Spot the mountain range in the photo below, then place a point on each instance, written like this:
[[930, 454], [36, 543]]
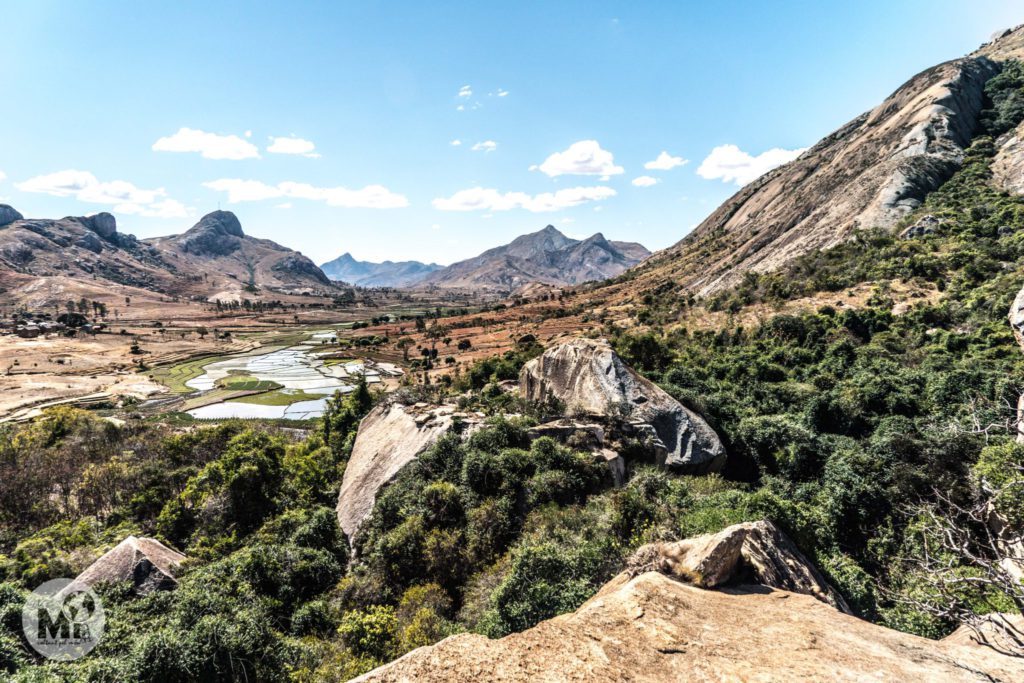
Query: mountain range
[[345, 268], [546, 256]]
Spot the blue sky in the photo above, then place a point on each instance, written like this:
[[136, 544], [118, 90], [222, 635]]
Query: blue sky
[[328, 126]]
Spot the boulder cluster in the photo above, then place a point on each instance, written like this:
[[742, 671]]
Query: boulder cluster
[[604, 405]]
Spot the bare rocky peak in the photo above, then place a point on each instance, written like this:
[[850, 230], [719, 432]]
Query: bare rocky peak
[[869, 173], [216, 234]]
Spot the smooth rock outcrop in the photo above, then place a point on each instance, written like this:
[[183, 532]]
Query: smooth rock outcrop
[[146, 562], [389, 438], [8, 214], [590, 379], [653, 629], [752, 552]]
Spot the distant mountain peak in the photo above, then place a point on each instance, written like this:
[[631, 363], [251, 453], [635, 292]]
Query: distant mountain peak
[[546, 256]]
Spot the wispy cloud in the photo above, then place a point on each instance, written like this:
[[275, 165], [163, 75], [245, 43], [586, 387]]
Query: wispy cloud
[[581, 158], [465, 91], [729, 163], [455, 143], [369, 197], [645, 181], [208, 145], [293, 145], [86, 187], [665, 162], [485, 146], [484, 199]]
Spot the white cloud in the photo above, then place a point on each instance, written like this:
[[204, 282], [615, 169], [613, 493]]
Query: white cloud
[[248, 133], [665, 162], [369, 197], [482, 199], [168, 208], [582, 158], [460, 108], [455, 143], [293, 145], [502, 93], [86, 187], [485, 146], [729, 163], [645, 181], [465, 91], [209, 145], [284, 205], [3, 176]]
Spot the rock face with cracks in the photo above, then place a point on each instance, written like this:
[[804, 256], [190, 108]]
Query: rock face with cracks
[[589, 378], [146, 562]]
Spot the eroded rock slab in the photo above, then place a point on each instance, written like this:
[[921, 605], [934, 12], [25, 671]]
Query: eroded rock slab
[[389, 438], [590, 379], [752, 552], [146, 562]]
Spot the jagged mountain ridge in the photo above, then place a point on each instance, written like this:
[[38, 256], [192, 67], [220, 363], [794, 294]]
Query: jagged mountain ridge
[[546, 256], [213, 259], [347, 268], [871, 172]]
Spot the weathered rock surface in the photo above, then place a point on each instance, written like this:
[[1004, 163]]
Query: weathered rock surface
[[389, 438], [8, 214], [1001, 632], [146, 562], [1008, 164], [650, 628], [590, 379], [753, 552]]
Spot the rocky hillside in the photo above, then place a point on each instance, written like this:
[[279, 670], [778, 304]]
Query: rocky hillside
[[213, 259], [546, 256], [345, 268], [870, 173]]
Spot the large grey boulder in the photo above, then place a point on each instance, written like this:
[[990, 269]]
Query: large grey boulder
[[752, 552], [103, 224], [390, 437], [590, 379], [146, 562], [8, 214]]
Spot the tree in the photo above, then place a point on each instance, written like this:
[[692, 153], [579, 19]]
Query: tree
[[465, 345], [202, 332]]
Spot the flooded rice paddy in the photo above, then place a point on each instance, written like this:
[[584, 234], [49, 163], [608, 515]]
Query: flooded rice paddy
[[300, 371]]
